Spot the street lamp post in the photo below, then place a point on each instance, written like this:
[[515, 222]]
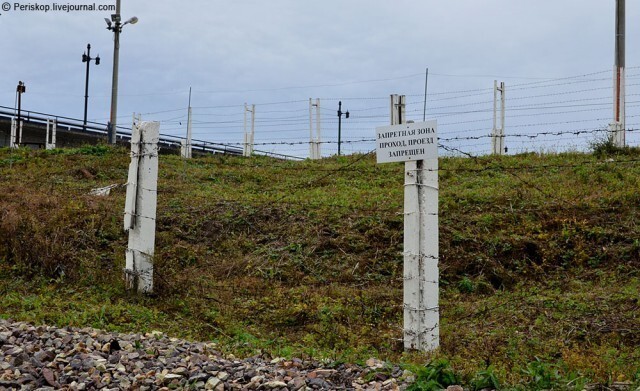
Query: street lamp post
[[21, 89], [340, 124], [86, 57], [114, 24]]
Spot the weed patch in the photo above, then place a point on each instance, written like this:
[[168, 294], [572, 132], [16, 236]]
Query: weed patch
[[538, 259]]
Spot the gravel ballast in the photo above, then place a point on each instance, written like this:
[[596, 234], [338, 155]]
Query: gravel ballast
[[51, 358]]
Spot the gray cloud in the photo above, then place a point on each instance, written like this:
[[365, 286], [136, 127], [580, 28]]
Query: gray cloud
[[261, 47]]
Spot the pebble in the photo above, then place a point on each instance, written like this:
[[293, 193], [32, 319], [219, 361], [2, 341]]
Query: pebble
[[49, 358]]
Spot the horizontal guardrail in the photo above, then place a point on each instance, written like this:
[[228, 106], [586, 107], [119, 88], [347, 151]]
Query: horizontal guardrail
[[97, 129]]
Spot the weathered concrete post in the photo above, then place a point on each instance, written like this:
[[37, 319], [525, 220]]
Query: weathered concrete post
[[416, 144], [140, 206], [185, 145], [12, 136], [50, 142]]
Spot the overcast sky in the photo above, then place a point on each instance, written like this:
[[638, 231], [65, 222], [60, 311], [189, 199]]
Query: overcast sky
[[358, 51]]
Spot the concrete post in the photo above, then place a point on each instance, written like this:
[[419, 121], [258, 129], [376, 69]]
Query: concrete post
[[140, 206], [312, 149], [497, 134], [421, 287], [185, 145], [249, 134], [12, 136], [318, 144], [50, 142], [20, 126], [421, 280], [315, 140]]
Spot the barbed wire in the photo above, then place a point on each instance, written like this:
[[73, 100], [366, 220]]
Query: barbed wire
[[529, 106], [574, 132], [317, 165]]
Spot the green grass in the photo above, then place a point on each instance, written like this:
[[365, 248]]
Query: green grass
[[539, 259]]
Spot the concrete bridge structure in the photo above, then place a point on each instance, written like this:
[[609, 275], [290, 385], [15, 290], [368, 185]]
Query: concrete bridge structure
[[70, 132]]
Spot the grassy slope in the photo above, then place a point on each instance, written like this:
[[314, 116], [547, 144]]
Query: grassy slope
[[539, 257]]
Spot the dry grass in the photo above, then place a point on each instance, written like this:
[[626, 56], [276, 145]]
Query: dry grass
[[540, 257]]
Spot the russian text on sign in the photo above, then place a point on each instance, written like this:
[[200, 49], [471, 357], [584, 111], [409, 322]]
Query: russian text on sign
[[400, 143]]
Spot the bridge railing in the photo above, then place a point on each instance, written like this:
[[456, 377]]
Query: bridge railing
[[123, 134]]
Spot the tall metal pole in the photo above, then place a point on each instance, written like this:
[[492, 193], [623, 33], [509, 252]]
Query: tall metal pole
[[312, 154], [253, 125], [495, 148], [114, 81], [339, 125], [189, 151], [20, 90], [619, 76], [86, 88], [503, 98], [189, 119], [426, 81]]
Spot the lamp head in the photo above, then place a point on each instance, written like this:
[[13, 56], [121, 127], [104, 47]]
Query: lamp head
[[108, 22], [84, 57], [346, 114], [132, 20], [98, 60]]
